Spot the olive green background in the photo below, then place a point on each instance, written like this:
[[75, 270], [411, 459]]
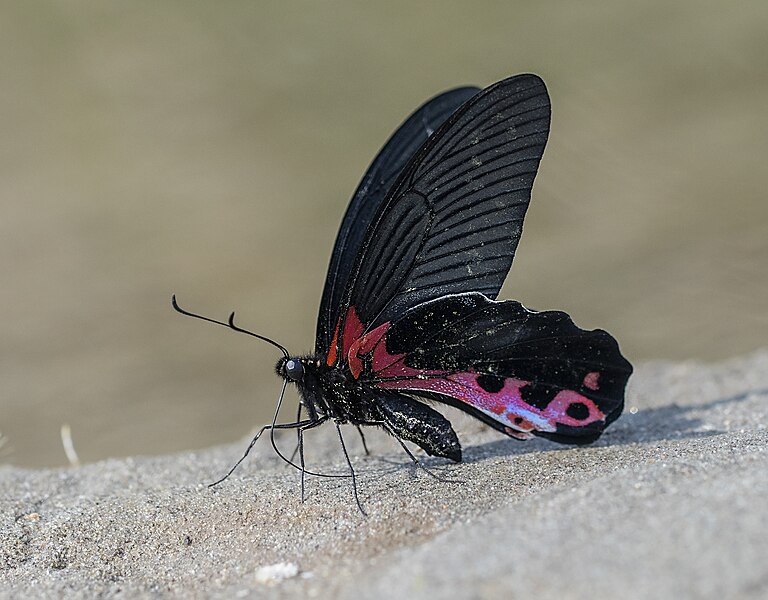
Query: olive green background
[[209, 149]]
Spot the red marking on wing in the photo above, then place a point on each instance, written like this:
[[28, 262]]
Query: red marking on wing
[[332, 351], [357, 347], [362, 346], [383, 364], [592, 380], [353, 329]]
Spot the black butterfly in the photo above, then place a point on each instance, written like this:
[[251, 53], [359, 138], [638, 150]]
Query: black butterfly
[[408, 310]]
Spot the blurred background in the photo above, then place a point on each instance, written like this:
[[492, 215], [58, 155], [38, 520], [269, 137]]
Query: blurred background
[[210, 149]]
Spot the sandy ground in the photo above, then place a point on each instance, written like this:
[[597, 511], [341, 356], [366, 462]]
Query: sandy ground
[[669, 503]]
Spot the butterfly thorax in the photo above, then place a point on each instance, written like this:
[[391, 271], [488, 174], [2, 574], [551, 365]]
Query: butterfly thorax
[[328, 391]]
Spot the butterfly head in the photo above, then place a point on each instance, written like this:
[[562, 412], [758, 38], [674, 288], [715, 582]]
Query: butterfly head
[[291, 369]]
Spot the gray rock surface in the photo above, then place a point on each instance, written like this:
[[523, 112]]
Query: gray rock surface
[[671, 502]]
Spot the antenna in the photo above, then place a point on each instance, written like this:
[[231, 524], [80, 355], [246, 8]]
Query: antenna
[[230, 324]]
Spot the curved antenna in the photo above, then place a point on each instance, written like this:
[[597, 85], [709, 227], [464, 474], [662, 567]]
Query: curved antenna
[[230, 324]]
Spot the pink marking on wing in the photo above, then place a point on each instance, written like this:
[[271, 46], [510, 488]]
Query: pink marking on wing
[[557, 409], [592, 380], [520, 435], [506, 405]]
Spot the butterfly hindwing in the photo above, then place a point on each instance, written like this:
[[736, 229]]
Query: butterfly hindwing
[[522, 371], [370, 194]]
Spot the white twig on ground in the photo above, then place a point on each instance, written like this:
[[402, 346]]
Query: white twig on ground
[[69, 446]]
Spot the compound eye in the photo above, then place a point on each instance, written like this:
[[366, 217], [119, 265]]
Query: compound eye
[[294, 369]]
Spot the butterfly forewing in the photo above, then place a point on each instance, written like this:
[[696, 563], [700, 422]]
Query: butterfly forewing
[[452, 222], [471, 184], [371, 193]]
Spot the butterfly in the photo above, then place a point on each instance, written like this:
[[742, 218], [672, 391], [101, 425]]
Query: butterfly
[[409, 318]]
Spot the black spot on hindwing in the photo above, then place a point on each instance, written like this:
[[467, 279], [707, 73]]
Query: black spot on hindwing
[[491, 383], [578, 411], [538, 395]]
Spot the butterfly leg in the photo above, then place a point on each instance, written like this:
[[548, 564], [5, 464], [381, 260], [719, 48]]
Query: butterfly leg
[[351, 470], [270, 427], [300, 449], [362, 439], [298, 434], [410, 454], [418, 463]]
